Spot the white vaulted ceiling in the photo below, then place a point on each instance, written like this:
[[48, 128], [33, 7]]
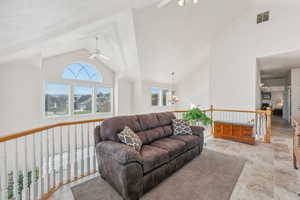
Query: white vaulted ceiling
[[178, 39], [135, 33]]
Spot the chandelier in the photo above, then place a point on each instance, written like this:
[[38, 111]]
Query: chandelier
[[184, 2], [173, 99]]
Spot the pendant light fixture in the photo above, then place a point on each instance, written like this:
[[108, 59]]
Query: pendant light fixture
[[173, 99]]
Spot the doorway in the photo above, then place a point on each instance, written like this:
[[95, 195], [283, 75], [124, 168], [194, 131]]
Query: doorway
[[278, 85]]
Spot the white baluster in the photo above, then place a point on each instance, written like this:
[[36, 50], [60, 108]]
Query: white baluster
[[16, 174], [94, 151], [53, 158], [82, 151], [88, 149], [5, 173], [69, 157], [34, 169], [41, 175], [26, 178], [61, 175], [47, 161], [76, 161]]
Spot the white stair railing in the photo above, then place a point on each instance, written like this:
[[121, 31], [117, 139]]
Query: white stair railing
[[35, 163]]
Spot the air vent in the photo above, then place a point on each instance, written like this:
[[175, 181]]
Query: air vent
[[263, 17]]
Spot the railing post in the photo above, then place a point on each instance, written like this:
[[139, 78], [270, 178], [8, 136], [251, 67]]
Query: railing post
[[212, 121], [267, 137]]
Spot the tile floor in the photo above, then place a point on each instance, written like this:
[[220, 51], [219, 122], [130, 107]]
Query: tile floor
[[268, 173]]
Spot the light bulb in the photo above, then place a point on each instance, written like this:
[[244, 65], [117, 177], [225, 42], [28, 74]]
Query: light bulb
[[195, 1], [181, 2]]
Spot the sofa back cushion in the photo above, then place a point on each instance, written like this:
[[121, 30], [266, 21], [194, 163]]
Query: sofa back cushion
[[165, 118], [148, 127], [148, 121], [155, 126], [111, 127]]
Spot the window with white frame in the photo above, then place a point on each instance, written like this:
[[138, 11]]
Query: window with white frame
[[56, 99], [159, 97], [155, 97], [82, 92], [83, 100]]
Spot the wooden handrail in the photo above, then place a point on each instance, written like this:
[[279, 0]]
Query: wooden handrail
[[243, 111], [43, 128]]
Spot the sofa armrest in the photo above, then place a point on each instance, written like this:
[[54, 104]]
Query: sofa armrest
[[119, 152], [120, 165], [197, 130]]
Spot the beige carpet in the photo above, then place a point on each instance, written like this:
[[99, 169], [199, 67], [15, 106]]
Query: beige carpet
[[210, 176]]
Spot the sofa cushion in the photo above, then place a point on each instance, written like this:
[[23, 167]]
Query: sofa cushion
[[151, 135], [190, 140], [174, 147], [153, 157], [181, 127], [168, 130], [128, 137], [148, 121], [165, 118], [111, 127]]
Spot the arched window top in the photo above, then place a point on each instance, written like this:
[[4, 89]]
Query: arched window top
[[83, 72]]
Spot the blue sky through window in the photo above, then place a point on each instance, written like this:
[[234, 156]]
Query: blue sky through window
[[57, 89], [83, 90], [104, 90], [84, 72], [155, 91]]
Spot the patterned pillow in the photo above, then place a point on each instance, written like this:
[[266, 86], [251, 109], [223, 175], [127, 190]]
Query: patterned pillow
[[127, 136], [181, 127]]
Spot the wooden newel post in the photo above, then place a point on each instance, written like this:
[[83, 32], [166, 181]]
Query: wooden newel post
[[211, 117], [269, 126]]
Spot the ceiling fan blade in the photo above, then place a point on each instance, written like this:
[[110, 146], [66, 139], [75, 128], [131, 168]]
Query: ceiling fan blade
[[164, 3], [104, 57], [93, 56]]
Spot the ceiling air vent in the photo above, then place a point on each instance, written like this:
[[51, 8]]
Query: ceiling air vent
[[263, 17]]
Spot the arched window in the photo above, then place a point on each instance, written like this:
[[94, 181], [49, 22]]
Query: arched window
[[83, 92], [83, 72]]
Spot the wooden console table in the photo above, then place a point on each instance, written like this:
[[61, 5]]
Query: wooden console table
[[234, 131]]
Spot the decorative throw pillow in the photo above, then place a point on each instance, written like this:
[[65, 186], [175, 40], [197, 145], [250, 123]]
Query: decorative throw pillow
[[181, 127], [127, 136]]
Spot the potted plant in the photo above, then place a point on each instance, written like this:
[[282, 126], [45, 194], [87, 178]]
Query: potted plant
[[196, 115]]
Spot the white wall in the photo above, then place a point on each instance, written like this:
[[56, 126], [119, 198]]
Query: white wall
[[124, 104], [234, 52], [194, 88], [295, 91], [20, 100]]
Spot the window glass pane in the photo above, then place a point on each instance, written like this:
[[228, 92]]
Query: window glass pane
[[83, 100], [83, 72], [56, 99], [155, 96], [165, 93], [103, 100]]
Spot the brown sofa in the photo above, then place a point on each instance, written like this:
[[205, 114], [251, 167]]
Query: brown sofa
[[133, 173]]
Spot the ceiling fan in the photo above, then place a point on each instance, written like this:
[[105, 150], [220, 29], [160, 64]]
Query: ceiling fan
[[97, 53], [181, 3]]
